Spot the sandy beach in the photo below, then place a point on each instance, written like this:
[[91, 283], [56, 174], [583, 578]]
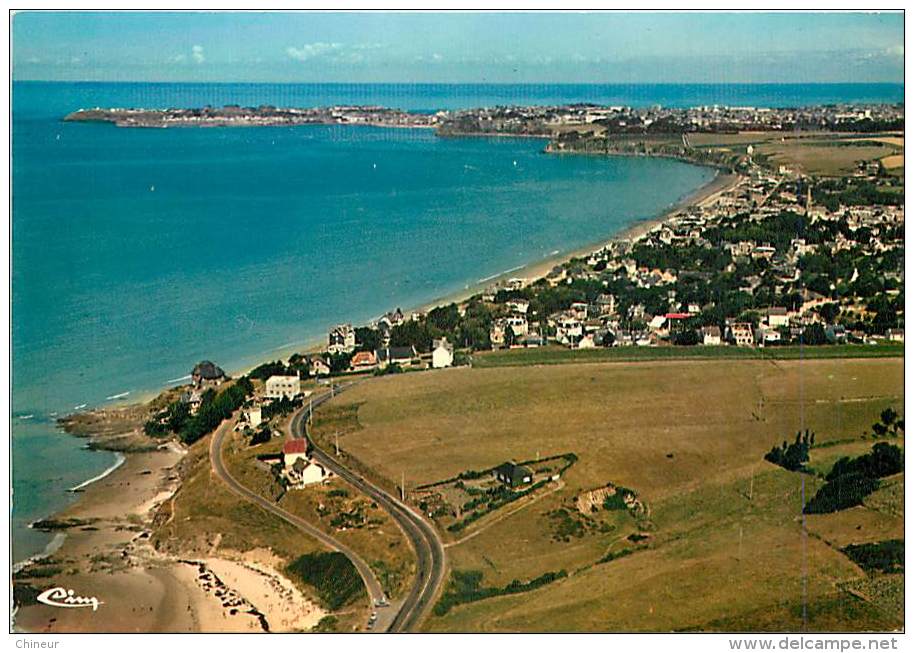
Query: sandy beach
[[106, 555]]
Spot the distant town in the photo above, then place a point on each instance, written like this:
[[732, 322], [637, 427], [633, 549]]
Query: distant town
[[532, 121]]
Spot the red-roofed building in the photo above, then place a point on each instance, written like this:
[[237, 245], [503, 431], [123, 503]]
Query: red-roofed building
[[292, 450], [678, 316]]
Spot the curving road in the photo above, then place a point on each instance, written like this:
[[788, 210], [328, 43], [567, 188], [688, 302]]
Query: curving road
[[430, 558], [376, 593]]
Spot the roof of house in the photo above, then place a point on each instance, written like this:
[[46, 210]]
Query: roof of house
[[513, 471], [678, 316], [395, 353], [777, 310], [207, 370], [364, 358], [442, 342], [711, 331], [299, 445]]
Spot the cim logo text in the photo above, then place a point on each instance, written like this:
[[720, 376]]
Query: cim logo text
[[59, 597]]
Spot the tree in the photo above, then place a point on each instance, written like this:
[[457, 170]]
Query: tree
[[367, 339], [445, 318], [814, 334]]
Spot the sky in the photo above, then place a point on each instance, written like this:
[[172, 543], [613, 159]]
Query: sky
[[635, 47]]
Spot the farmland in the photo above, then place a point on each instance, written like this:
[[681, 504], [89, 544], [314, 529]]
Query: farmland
[[720, 543]]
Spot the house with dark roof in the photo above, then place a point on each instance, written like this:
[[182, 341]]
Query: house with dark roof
[[402, 356], [513, 475], [207, 373]]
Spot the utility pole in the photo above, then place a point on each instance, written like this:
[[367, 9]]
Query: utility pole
[[402, 486], [310, 408], [337, 439], [751, 485]]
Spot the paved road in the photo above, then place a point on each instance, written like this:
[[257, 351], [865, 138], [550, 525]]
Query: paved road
[[386, 615], [430, 560]]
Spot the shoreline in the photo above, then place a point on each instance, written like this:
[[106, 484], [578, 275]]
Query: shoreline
[[530, 271]]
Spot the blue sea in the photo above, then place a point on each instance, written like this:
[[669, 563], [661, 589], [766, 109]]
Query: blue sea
[[136, 253]]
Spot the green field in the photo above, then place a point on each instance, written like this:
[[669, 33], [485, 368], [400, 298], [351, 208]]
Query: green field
[[722, 545], [554, 355]]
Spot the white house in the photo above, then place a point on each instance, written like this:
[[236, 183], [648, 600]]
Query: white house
[[587, 342], [278, 387], [442, 353], [305, 472], [777, 317], [710, 335], [518, 305], [254, 416]]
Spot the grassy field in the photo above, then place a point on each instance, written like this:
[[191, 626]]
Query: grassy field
[[557, 355], [722, 545], [815, 153]]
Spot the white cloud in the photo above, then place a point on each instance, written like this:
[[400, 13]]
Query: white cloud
[[312, 50], [197, 53], [179, 58]]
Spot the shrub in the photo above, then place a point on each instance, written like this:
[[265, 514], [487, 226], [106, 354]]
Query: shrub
[[466, 587], [332, 575], [843, 492], [792, 456], [887, 557], [884, 460]]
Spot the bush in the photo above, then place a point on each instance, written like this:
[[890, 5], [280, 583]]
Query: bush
[[466, 587], [332, 575], [851, 480], [884, 460], [844, 492], [261, 436], [887, 557], [793, 457]]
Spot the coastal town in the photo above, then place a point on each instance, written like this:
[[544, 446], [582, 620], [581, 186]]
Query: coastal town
[[771, 259]]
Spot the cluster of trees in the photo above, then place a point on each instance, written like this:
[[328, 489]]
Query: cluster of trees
[[214, 407], [281, 407], [888, 419], [834, 193], [795, 455], [850, 481], [466, 587]]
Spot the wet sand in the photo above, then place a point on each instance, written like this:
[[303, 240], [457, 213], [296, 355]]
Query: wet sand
[[106, 555]]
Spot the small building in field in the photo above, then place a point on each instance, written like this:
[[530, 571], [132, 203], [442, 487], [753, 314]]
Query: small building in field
[[278, 386], [442, 353], [513, 475]]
